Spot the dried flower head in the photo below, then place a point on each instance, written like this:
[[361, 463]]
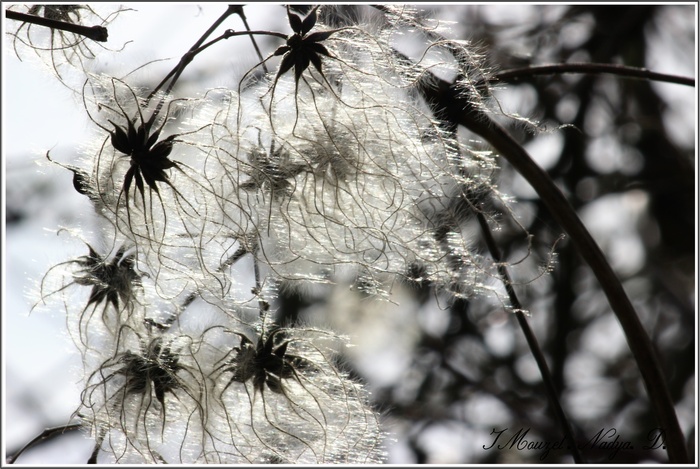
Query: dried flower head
[[284, 393], [114, 294], [144, 403]]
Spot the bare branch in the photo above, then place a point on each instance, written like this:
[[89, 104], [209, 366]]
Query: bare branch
[[96, 33], [592, 69], [43, 436]]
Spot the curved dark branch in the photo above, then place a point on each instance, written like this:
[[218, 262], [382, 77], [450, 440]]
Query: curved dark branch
[[43, 436], [590, 69], [451, 105], [454, 106], [637, 337]]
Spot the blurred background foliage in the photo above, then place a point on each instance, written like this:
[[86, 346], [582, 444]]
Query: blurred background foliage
[[623, 151]]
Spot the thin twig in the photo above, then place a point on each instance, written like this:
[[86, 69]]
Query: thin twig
[[233, 258], [192, 53], [252, 38], [590, 69], [262, 303], [532, 342], [96, 33], [187, 58], [163, 325], [43, 436], [197, 48]]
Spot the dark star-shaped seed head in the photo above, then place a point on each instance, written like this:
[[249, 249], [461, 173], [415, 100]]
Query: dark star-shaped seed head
[[303, 48]]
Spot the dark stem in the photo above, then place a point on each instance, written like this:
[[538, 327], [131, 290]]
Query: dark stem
[[591, 68], [449, 102], [198, 47], [93, 456], [235, 257], [252, 38], [175, 73], [43, 436], [96, 33], [184, 62], [263, 305], [187, 58], [532, 343], [232, 259], [562, 211], [456, 108]]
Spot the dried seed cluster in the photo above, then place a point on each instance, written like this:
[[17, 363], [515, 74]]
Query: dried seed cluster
[[337, 174]]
